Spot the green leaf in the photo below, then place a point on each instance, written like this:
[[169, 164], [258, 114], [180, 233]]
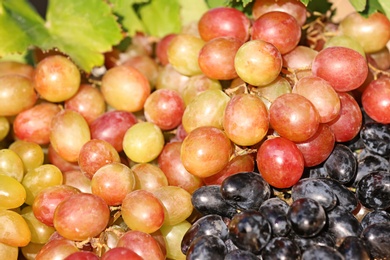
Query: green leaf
[[305, 2], [161, 17], [127, 15], [192, 10], [372, 7], [82, 29], [215, 3], [359, 5], [386, 7]]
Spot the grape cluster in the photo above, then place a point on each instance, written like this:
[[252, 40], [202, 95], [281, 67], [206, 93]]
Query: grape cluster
[[262, 136]]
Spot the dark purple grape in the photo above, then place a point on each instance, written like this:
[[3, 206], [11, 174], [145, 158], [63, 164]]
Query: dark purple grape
[[315, 189], [321, 253], [306, 217], [322, 239], [341, 164], [318, 172], [206, 225], [342, 223], [209, 200], [281, 248], [370, 163], [376, 138], [345, 197], [377, 238], [230, 245], [239, 254], [373, 190], [373, 217], [354, 248], [249, 230], [245, 190], [207, 247], [275, 211]]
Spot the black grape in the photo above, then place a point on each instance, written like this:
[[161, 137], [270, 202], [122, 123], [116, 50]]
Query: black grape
[[249, 230], [207, 247], [281, 248], [376, 138], [321, 253], [345, 197], [306, 217], [370, 163], [341, 164], [275, 211], [342, 223], [373, 190], [322, 239], [373, 217], [354, 248], [245, 190], [377, 238], [239, 254]]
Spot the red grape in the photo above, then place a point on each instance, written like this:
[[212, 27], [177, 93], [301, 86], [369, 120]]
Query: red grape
[[162, 48], [376, 100]]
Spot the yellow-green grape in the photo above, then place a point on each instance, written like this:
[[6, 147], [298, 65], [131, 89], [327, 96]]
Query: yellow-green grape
[[173, 236], [8, 252], [44, 176], [196, 85], [12, 193], [143, 142], [32, 154], [14, 230], [31, 250], [11, 164], [40, 233], [345, 41], [4, 127]]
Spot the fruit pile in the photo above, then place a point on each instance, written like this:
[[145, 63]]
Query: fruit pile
[[261, 136]]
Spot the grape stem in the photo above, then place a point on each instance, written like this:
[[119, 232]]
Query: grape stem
[[377, 72]]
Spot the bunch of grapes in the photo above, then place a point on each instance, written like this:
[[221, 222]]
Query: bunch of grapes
[[242, 137]]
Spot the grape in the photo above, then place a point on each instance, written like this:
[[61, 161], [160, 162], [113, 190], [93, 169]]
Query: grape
[[120, 253], [4, 127], [342, 223], [112, 126], [330, 64], [377, 239], [345, 41], [250, 230], [143, 211], [88, 101], [315, 189], [278, 28], [294, 117], [15, 67], [208, 200], [78, 180], [11, 164], [57, 249], [321, 94], [341, 165], [321, 239], [196, 85], [55, 159], [31, 153], [81, 216], [183, 52], [148, 177], [321, 252], [162, 48], [34, 124], [345, 197], [165, 108], [245, 190], [14, 230], [8, 252], [275, 211], [143, 142], [138, 242], [173, 235], [170, 163], [258, 62], [217, 51], [294, 8], [113, 182], [17, 94], [280, 162], [125, 88], [300, 57], [376, 100], [69, 132], [12, 193], [281, 248], [271, 91], [373, 217], [177, 204], [372, 32], [94, 154], [306, 217], [238, 254], [353, 248], [170, 78], [146, 65], [31, 250], [40, 232], [251, 110], [47, 200], [376, 138], [224, 21], [372, 190], [381, 58], [370, 163], [348, 123], [82, 255], [207, 247], [206, 109], [38, 179], [56, 78], [205, 151]]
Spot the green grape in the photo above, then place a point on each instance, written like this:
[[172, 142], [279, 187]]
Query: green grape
[[14, 230], [198, 84], [173, 235], [4, 127], [11, 164], [31, 153], [31, 250], [40, 233], [8, 252], [12, 193], [345, 41]]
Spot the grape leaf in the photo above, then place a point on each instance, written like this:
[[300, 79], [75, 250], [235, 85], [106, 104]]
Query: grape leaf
[[385, 6], [161, 17], [127, 16], [192, 10], [305, 2], [359, 5], [216, 3], [372, 7]]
